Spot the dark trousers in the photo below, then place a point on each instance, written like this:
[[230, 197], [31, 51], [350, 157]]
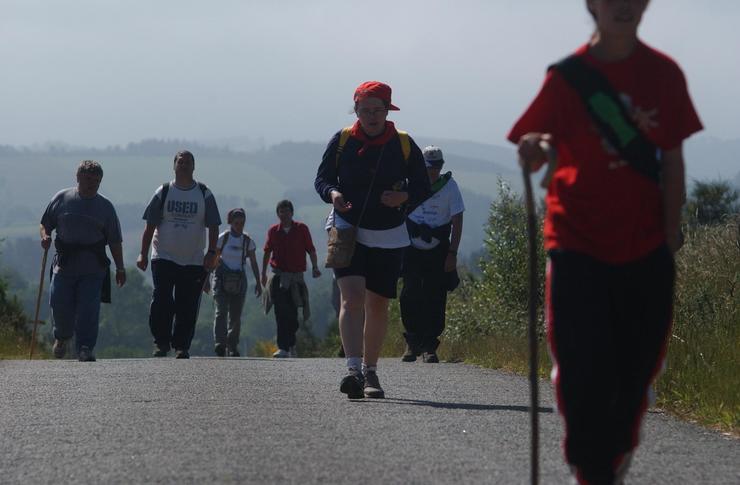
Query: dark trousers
[[286, 314], [176, 294], [607, 329], [424, 297]]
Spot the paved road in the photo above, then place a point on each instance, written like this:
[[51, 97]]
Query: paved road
[[283, 421]]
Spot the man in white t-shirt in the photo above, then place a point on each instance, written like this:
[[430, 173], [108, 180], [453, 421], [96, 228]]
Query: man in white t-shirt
[[429, 266], [176, 222]]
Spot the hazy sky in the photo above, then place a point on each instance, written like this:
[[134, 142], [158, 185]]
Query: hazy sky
[[102, 72]]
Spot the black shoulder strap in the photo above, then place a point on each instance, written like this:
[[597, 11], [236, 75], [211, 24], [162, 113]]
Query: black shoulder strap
[[203, 188], [165, 190], [610, 115]]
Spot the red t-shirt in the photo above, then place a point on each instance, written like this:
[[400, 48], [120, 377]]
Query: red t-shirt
[[289, 249], [596, 203]]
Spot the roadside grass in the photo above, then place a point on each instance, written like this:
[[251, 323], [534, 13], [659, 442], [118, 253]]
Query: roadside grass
[[16, 346], [702, 378]]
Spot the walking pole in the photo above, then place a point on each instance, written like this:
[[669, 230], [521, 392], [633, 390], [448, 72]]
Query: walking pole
[[533, 303], [38, 302]]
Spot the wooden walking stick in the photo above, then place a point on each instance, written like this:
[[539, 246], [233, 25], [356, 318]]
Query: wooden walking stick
[[38, 303], [533, 304]]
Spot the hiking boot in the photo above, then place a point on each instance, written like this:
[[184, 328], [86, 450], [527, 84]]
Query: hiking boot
[[409, 355], [182, 354], [220, 350], [85, 354], [352, 384], [234, 353], [159, 352], [372, 386], [59, 348], [430, 357], [281, 354]]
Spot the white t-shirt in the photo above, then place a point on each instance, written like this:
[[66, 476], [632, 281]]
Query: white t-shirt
[[394, 238], [231, 254], [438, 210], [180, 235]]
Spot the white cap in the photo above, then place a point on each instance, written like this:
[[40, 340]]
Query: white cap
[[433, 156]]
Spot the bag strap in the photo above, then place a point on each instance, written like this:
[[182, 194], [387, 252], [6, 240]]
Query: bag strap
[[343, 137], [244, 248], [165, 190], [372, 183], [610, 115], [403, 137], [226, 239]]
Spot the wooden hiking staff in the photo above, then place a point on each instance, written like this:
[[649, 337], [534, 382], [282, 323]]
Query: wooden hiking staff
[[38, 303], [533, 303]]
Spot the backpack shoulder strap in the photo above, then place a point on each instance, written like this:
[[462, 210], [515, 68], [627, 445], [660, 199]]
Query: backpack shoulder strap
[[163, 196], [610, 115], [203, 188], [343, 137], [403, 137], [226, 239]]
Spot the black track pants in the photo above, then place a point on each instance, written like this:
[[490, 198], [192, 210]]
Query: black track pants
[[607, 329]]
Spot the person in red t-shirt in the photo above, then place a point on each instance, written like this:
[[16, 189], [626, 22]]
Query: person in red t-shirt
[[610, 232], [286, 245]]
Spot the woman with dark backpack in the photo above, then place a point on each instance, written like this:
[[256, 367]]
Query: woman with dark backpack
[[230, 282], [615, 113]]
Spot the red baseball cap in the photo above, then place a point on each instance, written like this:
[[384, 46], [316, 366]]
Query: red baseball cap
[[375, 89]]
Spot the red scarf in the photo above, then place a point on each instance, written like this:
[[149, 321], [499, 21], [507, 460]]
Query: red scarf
[[382, 139]]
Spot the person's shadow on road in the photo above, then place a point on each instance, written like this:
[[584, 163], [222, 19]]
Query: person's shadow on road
[[460, 405]]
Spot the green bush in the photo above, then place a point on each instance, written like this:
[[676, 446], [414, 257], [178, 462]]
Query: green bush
[[497, 302]]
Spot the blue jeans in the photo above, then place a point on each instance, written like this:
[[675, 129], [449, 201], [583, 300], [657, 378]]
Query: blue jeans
[[75, 306]]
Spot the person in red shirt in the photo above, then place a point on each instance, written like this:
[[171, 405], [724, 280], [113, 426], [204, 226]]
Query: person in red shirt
[[611, 232], [286, 245]]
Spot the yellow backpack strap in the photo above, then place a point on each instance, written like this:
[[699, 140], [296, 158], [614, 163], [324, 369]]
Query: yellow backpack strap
[[343, 137], [403, 137]]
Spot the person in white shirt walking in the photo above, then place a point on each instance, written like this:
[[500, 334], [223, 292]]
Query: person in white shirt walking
[[176, 222], [230, 282], [429, 265]]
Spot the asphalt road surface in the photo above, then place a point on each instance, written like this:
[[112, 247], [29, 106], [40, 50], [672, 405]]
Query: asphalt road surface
[[209, 420]]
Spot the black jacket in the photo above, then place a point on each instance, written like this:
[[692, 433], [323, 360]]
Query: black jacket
[[353, 174]]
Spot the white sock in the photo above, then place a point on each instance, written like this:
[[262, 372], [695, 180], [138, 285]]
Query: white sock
[[354, 363]]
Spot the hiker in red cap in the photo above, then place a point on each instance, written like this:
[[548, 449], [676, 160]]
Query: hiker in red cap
[[372, 174], [616, 113]]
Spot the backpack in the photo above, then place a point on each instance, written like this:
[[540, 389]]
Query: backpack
[[403, 137], [232, 280], [166, 189]]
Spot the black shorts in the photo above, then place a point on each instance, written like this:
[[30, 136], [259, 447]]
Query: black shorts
[[380, 268]]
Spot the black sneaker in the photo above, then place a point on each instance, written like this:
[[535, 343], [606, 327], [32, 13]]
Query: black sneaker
[[159, 352], [352, 384], [182, 354], [234, 353], [430, 357], [220, 350], [85, 354], [372, 386], [59, 348], [409, 355]]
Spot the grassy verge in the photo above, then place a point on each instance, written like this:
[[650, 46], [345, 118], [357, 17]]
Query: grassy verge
[[16, 345]]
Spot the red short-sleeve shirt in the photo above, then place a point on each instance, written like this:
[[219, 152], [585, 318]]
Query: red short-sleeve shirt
[[597, 203], [289, 249]]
